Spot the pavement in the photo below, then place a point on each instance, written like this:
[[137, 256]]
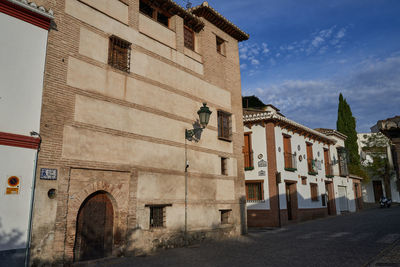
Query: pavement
[[367, 238]]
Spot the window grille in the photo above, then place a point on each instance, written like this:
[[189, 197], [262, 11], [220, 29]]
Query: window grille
[[224, 125], [189, 38], [156, 217], [254, 191], [119, 54]]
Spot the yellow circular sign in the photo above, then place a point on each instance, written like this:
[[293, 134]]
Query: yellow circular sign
[[13, 181]]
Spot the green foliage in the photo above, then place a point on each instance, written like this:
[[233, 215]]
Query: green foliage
[[360, 171]]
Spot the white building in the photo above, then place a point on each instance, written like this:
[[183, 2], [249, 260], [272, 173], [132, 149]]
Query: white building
[[304, 167], [375, 188], [24, 28]]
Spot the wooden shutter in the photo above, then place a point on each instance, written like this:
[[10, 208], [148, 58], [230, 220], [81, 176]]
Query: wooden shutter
[[327, 163], [287, 151], [248, 151]]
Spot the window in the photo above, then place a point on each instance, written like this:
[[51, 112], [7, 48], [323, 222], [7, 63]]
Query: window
[[312, 167], [225, 216], [328, 166], [146, 9], [303, 180], [156, 216], [154, 13], [224, 125], [254, 191], [289, 158], [224, 170], [314, 191], [119, 53], [342, 156], [220, 45], [188, 37], [248, 152]]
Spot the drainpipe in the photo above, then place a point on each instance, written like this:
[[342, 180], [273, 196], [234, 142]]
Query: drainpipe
[[28, 242]]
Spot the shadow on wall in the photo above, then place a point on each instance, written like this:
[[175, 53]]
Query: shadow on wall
[[259, 216], [12, 248]]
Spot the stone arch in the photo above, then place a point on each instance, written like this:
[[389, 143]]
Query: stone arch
[[75, 202], [94, 228]]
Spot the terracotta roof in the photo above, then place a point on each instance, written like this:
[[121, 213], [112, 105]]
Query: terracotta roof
[[213, 16], [331, 132], [265, 116], [32, 6], [173, 8]]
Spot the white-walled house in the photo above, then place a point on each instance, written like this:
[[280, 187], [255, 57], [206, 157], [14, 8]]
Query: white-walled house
[[306, 168], [24, 28], [375, 188]]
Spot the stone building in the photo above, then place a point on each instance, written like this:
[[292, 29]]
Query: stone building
[[23, 29], [123, 80], [293, 173]]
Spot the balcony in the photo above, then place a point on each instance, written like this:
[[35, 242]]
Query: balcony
[[328, 170], [312, 167], [290, 162]]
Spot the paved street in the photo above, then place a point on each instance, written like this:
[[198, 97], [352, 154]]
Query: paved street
[[367, 238]]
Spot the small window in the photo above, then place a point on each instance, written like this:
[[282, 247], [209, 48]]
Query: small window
[[146, 9], [224, 170], [189, 38], [224, 126], [163, 19], [157, 216], [314, 192], [225, 216], [254, 191], [303, 180], [220, 45], [119, 53]]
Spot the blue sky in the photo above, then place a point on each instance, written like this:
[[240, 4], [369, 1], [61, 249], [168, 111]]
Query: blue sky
[[302, 53]]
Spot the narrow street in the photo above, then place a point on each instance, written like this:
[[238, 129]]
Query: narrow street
[[348, 240]]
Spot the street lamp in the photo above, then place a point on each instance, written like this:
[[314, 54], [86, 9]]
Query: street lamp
[[194, 135]]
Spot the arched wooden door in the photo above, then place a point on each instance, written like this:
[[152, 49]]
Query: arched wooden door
[[94, 233]]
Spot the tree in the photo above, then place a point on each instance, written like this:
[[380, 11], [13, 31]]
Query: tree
[[346, 124], [375, 159]]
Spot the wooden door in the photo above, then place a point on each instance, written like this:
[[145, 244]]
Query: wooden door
[[94, 234], [378, 191], [330, 198], [289, 202]]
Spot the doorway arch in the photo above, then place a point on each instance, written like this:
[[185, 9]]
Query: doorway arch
[[94, 228]]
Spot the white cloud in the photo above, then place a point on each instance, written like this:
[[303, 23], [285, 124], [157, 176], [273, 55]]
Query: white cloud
[[255, 61], [317, 41]]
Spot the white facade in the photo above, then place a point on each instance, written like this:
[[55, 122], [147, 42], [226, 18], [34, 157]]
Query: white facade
[[22, 60], [367, 188]]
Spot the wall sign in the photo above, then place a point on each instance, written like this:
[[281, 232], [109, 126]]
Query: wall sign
[[262, 163], [261, 173], [13, 185], [48, 174]]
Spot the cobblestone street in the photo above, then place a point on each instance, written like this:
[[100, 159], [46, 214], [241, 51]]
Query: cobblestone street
[[368, 238]]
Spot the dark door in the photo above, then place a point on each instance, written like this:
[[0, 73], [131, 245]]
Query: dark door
[[328, 204], [378, 191], [94, 234], [289, 202], [330, 198]]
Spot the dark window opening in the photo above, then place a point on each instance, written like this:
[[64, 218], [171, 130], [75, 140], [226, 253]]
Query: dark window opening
[[146, 9], [119, 53], [224, 126], [163, 19], [220, 45], [224, 170], [225, 214]]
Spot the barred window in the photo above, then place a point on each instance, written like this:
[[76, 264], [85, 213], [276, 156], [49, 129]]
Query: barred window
[[224, 126], [189, 38], [119, 53], [157, 216], [254, 190]]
